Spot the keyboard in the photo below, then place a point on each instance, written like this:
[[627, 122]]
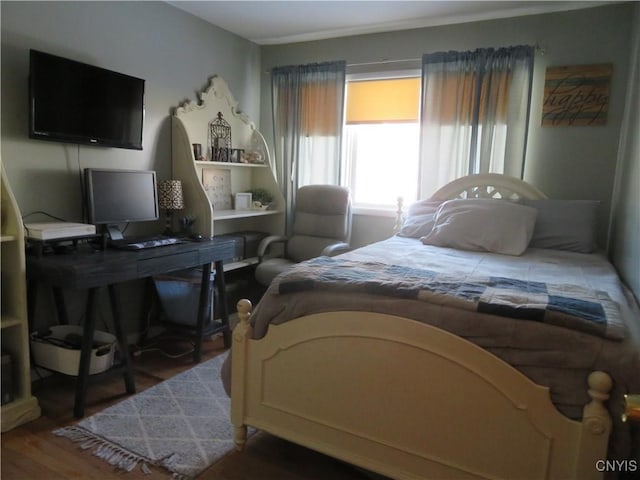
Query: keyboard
[[144, 243]]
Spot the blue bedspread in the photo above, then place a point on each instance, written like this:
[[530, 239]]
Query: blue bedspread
[[569, 306]]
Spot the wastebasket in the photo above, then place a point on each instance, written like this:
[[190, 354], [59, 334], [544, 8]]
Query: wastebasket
[[179, 295]]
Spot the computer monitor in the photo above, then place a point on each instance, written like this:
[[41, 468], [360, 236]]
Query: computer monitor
[[115, 197]]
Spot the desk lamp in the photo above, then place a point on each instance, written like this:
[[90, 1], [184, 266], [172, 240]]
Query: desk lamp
[[170, 199]]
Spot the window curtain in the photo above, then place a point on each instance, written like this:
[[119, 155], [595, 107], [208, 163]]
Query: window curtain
[[308, 112], [474, 114]]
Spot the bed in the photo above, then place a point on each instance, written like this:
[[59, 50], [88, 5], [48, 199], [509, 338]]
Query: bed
[[416, 385]]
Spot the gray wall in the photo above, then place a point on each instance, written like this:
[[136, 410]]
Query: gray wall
[[174, 52], [177, 53], [625, 238], [564, 162]]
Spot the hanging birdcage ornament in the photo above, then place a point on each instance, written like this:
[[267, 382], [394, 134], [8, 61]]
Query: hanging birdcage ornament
[[220, 135]]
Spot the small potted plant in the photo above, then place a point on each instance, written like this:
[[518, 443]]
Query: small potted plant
[[261, 198]]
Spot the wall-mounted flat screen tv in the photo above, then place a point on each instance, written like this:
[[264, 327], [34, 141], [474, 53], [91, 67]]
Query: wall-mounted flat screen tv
[[74, 102]]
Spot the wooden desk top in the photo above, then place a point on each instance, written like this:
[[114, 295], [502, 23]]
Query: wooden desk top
[[89, 267]]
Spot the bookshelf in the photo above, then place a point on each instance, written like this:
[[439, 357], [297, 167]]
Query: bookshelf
[[14, 323], [190, 125]]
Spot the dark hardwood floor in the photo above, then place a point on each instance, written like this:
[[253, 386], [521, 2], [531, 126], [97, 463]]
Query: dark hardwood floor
[[31, 451]]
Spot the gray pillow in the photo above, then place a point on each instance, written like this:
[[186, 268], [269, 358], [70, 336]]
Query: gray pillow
[[565, 224]]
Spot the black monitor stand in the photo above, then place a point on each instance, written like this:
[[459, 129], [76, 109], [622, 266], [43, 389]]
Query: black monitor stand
[[113, 233]]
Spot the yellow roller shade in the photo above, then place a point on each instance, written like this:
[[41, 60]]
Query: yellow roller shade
[[377, 101]]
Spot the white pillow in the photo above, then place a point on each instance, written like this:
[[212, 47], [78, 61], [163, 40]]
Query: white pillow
[[420, 218], [483, 225], [418, 225], [422, 207]]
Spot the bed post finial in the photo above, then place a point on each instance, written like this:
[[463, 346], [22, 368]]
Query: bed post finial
[[243, 329], [242, 333], [596, 416], [600, 385], [596, 425], [244, 308], [399, 216]]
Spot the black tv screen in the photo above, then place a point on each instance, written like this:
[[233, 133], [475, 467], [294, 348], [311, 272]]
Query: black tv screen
[[74, 102]]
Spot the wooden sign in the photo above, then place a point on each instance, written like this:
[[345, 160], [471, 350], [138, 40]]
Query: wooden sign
[[576, 95]]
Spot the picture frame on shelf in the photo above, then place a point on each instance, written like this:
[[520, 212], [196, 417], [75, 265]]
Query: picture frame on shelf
[[197, 151], [221, 155], [243, 201], [237, 155]]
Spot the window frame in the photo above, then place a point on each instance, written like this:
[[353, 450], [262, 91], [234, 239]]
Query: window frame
[[367, 76]]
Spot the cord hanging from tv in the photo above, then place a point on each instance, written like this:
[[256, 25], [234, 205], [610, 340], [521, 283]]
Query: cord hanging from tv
[[74, 102]]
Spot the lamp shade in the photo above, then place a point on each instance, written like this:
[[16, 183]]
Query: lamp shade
[[170, 193]]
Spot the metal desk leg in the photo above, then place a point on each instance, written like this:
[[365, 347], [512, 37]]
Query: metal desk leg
[[222, 299], [32, 297], [203, 310], [147, 305], [85, 354], [129, 381]]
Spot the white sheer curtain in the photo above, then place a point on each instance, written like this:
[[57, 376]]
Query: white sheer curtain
[[308, 112], [474, 114]]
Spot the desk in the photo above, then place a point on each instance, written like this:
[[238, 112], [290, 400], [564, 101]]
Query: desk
[[92, 269]]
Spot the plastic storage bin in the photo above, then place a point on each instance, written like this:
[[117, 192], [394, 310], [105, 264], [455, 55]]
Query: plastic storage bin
[[56, 351]]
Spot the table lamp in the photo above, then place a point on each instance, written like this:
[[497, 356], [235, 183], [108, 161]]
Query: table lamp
[[631, 409], [170, 199]]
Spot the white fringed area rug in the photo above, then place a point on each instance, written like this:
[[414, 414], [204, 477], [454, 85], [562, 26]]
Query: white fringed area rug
[[181, 424]]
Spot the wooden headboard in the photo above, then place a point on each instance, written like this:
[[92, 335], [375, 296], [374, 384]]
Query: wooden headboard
[[488, 185]]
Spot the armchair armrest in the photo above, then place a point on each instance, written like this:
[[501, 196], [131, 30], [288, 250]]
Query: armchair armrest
[[335, 249], [266, 242]]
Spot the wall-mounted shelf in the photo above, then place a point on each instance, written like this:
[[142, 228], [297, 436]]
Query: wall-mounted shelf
[[234, 214], [8, 321], [246, 262], [204, 163], [190, 125]]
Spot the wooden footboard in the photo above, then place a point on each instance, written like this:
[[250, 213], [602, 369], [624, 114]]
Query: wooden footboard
[[408, 400]]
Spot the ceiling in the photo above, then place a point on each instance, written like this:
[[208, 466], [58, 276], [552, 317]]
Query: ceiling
[[270, 22]]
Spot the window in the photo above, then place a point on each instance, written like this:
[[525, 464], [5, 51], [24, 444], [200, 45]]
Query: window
[[381, 140]]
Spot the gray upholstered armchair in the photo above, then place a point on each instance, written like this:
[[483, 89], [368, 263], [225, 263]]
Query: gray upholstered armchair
[[321, 226]]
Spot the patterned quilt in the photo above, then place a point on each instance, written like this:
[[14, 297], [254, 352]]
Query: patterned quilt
[[569, 306]]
